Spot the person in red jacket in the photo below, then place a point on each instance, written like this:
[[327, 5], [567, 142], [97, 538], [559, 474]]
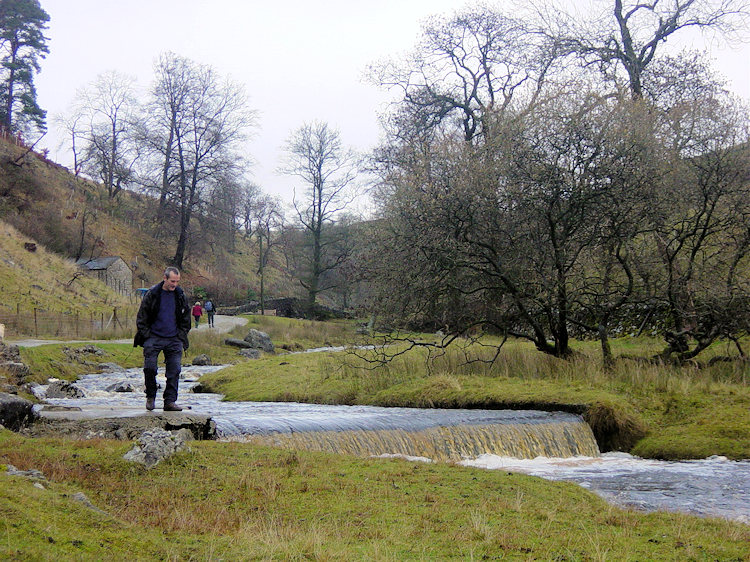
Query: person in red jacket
[[197, 313]]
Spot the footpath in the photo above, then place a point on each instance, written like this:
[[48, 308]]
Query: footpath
[[222, 324], [117, 421]]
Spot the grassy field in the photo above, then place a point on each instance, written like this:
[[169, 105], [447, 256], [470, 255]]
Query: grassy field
[[233, 501], [237, 501]]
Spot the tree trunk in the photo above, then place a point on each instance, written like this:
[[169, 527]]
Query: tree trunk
[[607, 360]]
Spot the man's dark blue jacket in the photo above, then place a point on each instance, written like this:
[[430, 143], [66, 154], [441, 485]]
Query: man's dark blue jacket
[[149, 310]]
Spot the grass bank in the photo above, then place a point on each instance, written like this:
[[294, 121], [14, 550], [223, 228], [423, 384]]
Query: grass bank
[[234, 501], [656, 411]]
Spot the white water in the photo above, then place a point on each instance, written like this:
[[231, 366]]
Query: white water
[[711, 487], [714, 487]]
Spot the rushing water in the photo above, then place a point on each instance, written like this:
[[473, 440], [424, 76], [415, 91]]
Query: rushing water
[[714, 487], [711, 487]]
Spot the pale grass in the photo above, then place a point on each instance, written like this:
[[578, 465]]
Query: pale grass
[[520, 360], [480, 526], [596, 542], [272, 536], [62, 288], [303, 334]]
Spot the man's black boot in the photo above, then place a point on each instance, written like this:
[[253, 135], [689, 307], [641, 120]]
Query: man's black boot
[[150, 403], [171, 407]]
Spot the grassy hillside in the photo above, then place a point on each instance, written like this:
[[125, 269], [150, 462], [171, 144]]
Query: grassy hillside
[[73, 216], [42, 279]]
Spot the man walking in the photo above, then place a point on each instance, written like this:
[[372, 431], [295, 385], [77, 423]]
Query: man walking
[[209, 307], [163, 323]]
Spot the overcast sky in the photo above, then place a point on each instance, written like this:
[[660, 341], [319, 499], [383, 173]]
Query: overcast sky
[[299, 60]]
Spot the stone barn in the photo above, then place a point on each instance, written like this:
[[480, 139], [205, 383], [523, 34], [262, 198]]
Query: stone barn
[[110, 270]]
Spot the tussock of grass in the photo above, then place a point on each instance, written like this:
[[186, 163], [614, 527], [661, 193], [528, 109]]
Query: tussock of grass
[[236, 501], [615, 427]]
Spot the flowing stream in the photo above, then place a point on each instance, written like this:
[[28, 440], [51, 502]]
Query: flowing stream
[[556, 445]]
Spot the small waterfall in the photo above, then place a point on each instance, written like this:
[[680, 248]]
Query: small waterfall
[[522, 440]]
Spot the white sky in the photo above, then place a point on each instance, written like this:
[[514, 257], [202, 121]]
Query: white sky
[[299, 60]]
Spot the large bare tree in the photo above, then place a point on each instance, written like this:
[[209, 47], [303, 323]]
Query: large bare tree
[[197, 123], [104, 116], [316, 155], [501, 235], [627, 35], [466, 68]]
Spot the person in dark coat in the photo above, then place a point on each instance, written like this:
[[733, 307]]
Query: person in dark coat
[[163, 323], [210, 311]]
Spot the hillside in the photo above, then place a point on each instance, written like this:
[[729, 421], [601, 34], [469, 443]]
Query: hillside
[[42, 279], [74, 217]]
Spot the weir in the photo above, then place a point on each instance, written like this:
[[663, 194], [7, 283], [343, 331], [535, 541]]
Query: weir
[[550, 440], [566, 438], [438, 434]]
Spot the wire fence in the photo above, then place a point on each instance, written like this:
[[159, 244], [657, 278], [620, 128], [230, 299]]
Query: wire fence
[[119, 322]]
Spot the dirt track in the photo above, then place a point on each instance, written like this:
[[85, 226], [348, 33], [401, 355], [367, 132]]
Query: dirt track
[[222, 325]]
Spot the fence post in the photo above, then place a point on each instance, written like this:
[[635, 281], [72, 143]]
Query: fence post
[[36, 326], [76, 324]]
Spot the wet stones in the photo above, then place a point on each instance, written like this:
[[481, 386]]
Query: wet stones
[[122, 386], [255, 342], [78, 425], [234, 342], [15, 412], [64, 389], [10, 363], [202, 360], [82, 354], [111, 368], [155, 445]]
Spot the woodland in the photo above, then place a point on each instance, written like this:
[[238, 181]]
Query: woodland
[[541, 178]]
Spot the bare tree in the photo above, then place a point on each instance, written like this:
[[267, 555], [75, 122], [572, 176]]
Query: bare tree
[[316, 156], [627, 35], [519, 234], [197, 122], [700, 223], [267, 218], [73, 125], [466, 68], [164, 121], [222, 212], [108, 109]]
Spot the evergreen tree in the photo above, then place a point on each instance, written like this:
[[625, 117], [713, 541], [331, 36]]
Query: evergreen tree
[[22, 44]]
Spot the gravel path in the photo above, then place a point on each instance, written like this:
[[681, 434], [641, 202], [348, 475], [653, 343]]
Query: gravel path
[[222, 324]]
